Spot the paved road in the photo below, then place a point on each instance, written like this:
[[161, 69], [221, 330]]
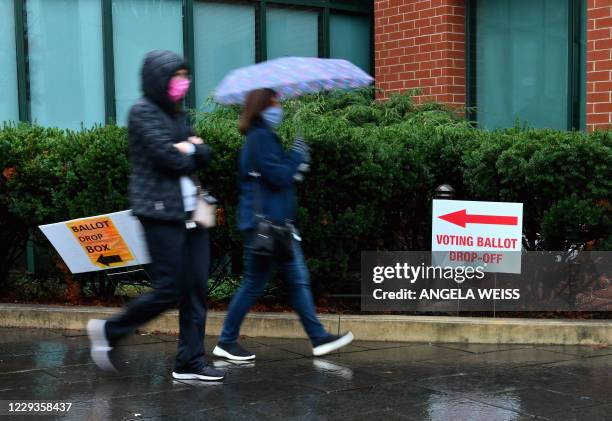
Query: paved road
[[366, 381]]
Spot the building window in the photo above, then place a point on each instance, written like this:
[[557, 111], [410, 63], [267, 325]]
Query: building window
[[77, 63], [224, 39], [9, 102], [140, 26], [521, 59], [292, 32], [65, 62], [350, 38]]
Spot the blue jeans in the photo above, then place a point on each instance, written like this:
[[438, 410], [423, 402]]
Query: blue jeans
[[256, 272]]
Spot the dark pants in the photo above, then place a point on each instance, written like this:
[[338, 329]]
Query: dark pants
[[180, 263], [256, 272]]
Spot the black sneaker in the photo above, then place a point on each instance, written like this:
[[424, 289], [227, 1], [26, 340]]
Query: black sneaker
[[331, 343], [232, 351], [100, 346], [207, 374]]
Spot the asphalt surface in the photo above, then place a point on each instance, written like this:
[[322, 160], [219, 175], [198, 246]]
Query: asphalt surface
[[365, 381]]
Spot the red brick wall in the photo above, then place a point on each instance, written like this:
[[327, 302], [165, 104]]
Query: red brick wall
[[599, 64], [420, 44]]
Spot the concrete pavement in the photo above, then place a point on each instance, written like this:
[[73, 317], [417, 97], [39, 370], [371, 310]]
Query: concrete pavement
[[366, 380]]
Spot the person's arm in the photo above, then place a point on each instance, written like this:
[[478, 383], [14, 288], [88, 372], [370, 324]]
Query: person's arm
[[201, 152], [277, 166], [158, 144], [202, 155]]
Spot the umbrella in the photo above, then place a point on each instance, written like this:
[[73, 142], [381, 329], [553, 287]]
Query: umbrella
[[291, 77]]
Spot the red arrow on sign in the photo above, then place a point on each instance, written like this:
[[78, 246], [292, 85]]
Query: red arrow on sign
[[461, 218]]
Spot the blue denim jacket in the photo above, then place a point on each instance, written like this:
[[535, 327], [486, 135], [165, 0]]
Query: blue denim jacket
[[263, 150]]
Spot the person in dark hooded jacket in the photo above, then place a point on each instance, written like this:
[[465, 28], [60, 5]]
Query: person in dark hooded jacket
[[165, 156]]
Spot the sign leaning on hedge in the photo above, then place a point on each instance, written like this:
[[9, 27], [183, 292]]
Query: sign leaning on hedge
[[100, 242]]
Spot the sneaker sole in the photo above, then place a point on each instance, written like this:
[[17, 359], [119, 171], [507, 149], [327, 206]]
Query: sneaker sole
[[220, 352], [332, 346], [193, 376]]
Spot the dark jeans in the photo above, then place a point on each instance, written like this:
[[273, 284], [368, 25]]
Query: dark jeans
[[180, 263], [256, 272]]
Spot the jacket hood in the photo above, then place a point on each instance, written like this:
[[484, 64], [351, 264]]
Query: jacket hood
[[158, 68]]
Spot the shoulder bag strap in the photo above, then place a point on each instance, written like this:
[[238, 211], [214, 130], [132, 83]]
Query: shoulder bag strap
[[255, 175]]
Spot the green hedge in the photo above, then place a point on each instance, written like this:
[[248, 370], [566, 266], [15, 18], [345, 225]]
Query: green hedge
[[375, 168]]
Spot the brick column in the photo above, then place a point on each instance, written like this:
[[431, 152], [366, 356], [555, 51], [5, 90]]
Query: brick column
[[599, 64], [420, 44]]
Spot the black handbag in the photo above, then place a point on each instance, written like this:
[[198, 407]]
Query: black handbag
[[269, 239], [272, 240]]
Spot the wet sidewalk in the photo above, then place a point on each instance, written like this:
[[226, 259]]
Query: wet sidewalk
[[366, 380]]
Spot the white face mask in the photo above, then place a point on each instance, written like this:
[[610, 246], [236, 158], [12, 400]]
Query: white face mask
[[273, 116]]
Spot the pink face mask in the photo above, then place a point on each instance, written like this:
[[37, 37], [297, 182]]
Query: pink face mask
[[177, 88]]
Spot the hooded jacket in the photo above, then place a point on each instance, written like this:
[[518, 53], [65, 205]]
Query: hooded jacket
[[154, 126]]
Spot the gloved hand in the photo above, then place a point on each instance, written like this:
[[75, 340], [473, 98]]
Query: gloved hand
[[301, 172], [301, 147]]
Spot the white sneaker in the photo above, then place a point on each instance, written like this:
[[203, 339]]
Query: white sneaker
[[332, 343], [100, 348]]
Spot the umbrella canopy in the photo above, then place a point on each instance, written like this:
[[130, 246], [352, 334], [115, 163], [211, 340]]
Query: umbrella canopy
[[291, 77]]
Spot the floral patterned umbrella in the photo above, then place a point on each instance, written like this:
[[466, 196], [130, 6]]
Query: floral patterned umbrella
[[291, 77]]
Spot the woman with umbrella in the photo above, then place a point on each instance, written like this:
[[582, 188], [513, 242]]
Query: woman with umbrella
[[267, 176], [267, 191]]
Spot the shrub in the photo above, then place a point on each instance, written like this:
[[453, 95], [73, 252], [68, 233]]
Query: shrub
[[52, 175], [375, 168]]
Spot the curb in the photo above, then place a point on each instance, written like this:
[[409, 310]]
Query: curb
[[438, 329]]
